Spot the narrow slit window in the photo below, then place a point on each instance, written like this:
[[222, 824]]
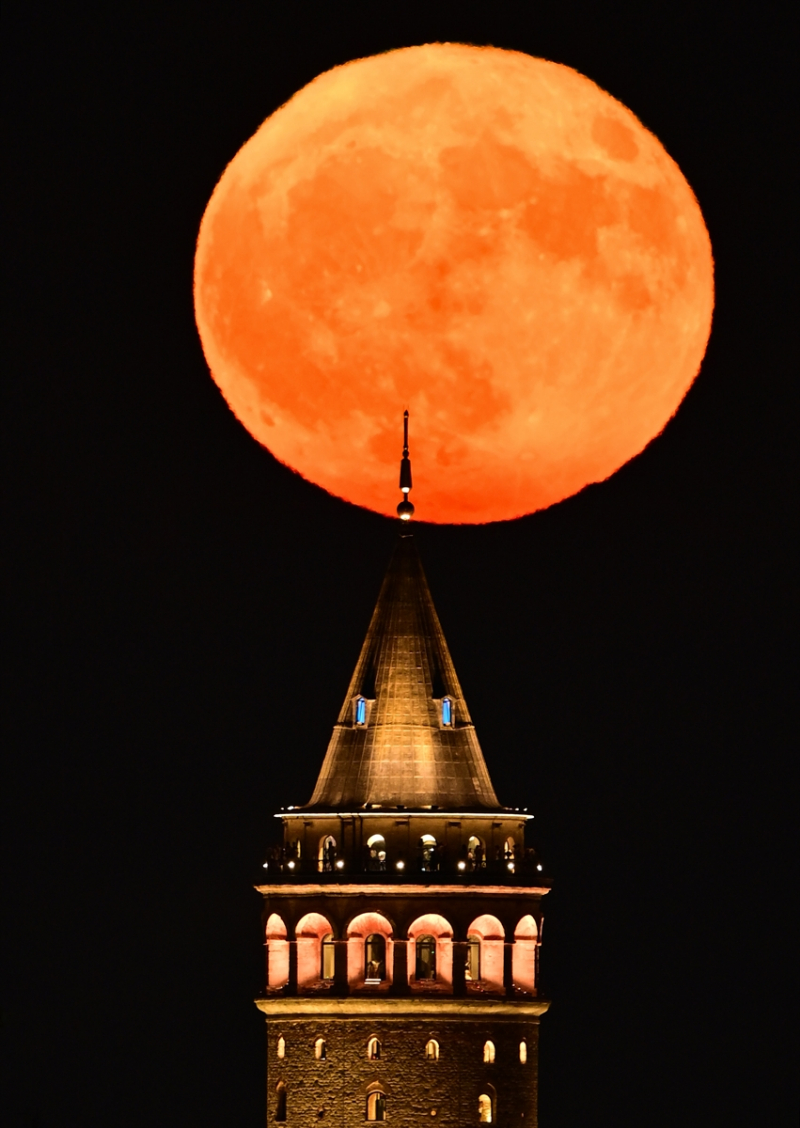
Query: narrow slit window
[[281, 1047], [373, 1049], [376, 1106], [447, 711], [280, 1102], [320, 1049], [523, 1052], [488, 1052], [361, 711]]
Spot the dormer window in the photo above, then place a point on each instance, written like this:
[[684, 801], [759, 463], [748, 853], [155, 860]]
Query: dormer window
[[361, 710], [447, 711]]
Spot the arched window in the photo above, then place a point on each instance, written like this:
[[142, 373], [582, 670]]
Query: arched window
[[328, 962], [523, 955], [311, 932], [280, 1101], [376, 858], [376, 1106], [426, 957], [277, 952], [485, 1110], [327, 854], [472, 971], [488, 1051], [373, 1049], [430, 952], [281, 1050], [320, 1049], [509, 852], [476, 853], [428, 859], [523, 1051], [491, 934], [431, 1050], [369, 950], [361, 711], [375, 958], [447, 711]]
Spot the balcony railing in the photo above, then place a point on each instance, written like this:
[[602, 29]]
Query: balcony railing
[[283, 867]]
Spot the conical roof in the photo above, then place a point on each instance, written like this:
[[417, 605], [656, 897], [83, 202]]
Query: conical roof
[[404, 755]]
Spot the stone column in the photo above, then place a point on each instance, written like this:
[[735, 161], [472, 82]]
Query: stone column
[[508, 973], [400, 968], [292, 985], [340, 984], [459, 968]]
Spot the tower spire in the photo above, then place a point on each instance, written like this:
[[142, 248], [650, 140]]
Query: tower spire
[[405, 510], [404, 735]]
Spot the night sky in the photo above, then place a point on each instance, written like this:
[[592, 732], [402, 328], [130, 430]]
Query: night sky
[[184, 612]]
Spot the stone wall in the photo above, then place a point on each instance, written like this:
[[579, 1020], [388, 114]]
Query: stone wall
[[418, 1091]]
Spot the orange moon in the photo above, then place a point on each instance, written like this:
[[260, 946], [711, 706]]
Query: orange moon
[[483, 237]]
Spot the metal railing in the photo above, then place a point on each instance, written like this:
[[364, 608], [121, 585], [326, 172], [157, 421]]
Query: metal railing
[[283, 866]]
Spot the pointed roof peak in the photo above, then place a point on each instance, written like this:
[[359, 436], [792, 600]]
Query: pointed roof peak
[[404, 736]]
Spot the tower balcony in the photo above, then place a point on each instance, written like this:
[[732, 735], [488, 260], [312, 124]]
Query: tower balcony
[[286, 868], [393, 845]]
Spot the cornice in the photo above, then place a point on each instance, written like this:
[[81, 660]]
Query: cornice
[[388, 1007], [400, 813], [308, 890]]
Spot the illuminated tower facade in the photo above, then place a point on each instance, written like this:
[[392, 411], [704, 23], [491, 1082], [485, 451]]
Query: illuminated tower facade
[[403, 912]]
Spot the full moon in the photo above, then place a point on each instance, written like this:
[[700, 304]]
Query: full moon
[[485, 238]]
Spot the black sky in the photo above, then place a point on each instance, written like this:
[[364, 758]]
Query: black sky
[[184, 613]]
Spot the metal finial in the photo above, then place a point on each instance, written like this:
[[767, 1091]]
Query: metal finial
[[405, 510]]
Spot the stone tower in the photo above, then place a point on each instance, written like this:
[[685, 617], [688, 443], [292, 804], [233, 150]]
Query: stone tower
[[403, 913]]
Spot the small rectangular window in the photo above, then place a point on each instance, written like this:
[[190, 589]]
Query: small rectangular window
[[361, 711], [447, 711]]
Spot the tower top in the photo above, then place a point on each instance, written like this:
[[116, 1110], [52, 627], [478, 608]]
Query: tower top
[[404, 737], [405, 510]]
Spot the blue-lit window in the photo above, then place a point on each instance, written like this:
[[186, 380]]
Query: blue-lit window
[[447, 711], [361, 711]]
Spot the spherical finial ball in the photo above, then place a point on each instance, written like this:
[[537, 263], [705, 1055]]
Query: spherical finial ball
[[405, 510]]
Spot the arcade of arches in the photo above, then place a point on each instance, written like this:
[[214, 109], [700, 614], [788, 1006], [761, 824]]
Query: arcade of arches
[[429, 956]]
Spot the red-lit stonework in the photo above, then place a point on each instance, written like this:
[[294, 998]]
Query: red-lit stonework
[[403, 911]]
